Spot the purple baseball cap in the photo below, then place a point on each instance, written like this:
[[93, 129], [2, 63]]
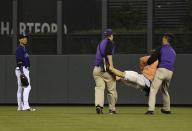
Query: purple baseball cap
[[108, 32]]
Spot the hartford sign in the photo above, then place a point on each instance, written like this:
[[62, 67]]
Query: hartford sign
[[31, 27]]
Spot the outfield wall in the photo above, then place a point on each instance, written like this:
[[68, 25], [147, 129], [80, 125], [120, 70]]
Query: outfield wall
[[67, 79]]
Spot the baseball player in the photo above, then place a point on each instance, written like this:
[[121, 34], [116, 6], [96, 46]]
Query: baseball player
[[136, 80], [166, 56], [22, 74], [105, 51]]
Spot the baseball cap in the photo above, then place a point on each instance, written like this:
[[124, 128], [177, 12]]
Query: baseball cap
[[23, 36], [108, 32]]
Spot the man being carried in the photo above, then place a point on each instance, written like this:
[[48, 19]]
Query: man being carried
[[139, 81]]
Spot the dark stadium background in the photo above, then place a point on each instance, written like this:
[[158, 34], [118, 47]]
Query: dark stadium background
[[62, 62]]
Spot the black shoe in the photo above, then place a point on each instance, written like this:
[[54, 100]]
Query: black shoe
[[149, 112], [165, 112], [146, 90], [99, 110], [112, 112]]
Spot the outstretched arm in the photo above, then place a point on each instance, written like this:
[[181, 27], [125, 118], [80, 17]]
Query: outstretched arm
[[117, 72]]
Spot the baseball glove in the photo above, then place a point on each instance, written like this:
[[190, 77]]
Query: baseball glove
[[24, 80]]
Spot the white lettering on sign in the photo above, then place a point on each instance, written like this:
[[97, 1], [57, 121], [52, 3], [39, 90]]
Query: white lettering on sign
[[22, 28], [65, 29], [53, 28], [31, 27], [45, 26], [37, 27], [4, 28]]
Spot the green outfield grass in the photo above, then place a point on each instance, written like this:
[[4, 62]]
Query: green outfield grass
[[85, 119]]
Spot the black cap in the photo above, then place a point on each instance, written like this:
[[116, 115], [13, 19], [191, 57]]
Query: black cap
[[169, 35], [23, 36]]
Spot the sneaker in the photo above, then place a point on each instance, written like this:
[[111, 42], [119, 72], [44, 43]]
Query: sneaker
[[146, 90], [30, 109], [165, 112], [112, 112], [99, 110], [149, 112], [19, 109]]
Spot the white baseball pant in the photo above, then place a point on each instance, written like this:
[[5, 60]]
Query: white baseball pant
[[132, 77], [22, 92]]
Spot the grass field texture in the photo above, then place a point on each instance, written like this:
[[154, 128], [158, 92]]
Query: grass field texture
[[64, 118]]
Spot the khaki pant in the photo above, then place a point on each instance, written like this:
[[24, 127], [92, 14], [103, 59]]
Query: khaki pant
[[100, 79], [161, 81]]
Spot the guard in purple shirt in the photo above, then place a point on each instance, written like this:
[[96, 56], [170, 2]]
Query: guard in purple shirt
[[166, 56], [22, 69], [105, 51]]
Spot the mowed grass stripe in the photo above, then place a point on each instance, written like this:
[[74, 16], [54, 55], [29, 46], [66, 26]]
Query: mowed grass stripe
[[85, 119]]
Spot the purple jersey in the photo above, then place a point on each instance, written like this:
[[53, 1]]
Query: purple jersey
[[167, 58], [105, 48], [22, 56]]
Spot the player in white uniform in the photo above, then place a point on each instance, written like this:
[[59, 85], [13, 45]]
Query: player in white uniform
[[23, 64]]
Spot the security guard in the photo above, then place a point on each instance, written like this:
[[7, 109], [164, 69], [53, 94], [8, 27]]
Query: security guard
[[166, 56], [105, 51]]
